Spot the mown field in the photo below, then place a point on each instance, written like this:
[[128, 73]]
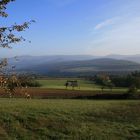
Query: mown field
[[58, 83], [22, 119]]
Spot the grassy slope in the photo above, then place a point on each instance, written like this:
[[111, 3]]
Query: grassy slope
[[69, 119], [59, 84], [84, 85]]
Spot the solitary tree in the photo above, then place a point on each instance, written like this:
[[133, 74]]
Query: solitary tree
[[7, 38]]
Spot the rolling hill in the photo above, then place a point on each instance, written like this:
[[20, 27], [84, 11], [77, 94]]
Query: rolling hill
[[133, 58], [73, 66]]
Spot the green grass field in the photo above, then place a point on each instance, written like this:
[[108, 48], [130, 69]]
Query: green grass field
[[22, 119], [83, 84]]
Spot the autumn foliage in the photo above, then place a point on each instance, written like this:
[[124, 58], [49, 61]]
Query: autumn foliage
[[7, 38]]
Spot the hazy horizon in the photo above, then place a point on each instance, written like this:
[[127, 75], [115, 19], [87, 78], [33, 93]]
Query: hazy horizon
[[39, 55], [76, 27]]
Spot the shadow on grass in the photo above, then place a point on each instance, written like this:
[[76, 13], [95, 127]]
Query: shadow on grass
[[107, 96]]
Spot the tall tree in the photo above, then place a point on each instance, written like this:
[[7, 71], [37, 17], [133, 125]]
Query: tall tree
[[7, 38]]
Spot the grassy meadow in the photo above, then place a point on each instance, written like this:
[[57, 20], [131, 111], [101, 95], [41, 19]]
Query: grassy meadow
[[58, 83], [69, 119], [66, 118]]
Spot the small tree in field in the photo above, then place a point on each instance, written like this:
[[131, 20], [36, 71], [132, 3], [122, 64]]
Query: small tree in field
[[7, 38], [132, 89], [102, 88]]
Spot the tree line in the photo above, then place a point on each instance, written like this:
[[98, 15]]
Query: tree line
[[130, 81]]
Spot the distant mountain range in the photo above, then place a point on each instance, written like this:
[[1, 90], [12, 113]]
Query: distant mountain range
[[133, 58], [75, 64]]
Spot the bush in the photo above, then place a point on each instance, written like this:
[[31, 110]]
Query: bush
[[132, 89]]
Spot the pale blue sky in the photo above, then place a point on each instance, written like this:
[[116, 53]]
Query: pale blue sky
[[95, 27]]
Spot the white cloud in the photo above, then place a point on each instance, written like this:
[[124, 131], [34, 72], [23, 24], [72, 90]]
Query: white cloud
[[122, 38], [106, 23]]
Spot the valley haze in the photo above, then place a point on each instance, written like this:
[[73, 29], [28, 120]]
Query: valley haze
[[60, 65]]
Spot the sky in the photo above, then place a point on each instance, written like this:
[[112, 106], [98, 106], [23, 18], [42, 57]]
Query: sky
[[76, 27]]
